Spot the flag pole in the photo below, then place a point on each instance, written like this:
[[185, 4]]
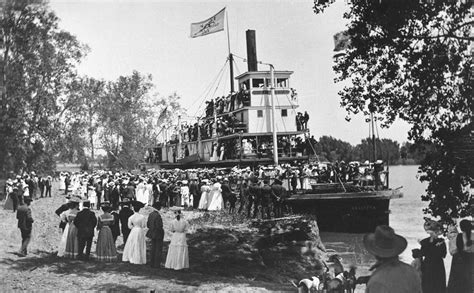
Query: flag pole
[[231, 57]]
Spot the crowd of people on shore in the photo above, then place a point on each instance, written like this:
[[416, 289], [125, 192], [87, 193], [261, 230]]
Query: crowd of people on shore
[[259, 193]]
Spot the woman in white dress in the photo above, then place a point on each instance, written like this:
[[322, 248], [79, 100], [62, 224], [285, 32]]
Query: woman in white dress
[[217, 201], [184, 194], [178, 257], [140, 192], [148, 193], [205, 189], [62, 243], [62, 183], [135, 248]]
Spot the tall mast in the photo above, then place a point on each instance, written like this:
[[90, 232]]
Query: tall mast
[[272, 93], [231, 57]]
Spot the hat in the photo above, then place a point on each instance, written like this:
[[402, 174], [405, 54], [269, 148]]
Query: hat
[[185, 181], [432, 225], [384, 242], [74, 199], [277, 181], [105, 204]]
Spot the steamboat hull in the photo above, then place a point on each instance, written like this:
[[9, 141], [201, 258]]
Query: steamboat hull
[[353, 212]]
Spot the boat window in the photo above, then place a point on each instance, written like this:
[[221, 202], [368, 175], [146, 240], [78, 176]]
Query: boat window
[[259, 113], [284, 112], [282, 82], [257, 82], [245, 85]]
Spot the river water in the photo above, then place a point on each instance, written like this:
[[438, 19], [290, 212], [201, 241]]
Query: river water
[[406, 218]]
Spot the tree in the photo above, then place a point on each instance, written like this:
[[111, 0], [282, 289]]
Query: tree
[[38, 62], [81, 116], [170, 110], [332, 149], [410, 60], [126, 115]]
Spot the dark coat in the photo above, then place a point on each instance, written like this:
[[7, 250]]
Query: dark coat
[[115, 228], [266, 194], [155, 226], [129, 192], [25, 220], [254, 192], [85, 223], [278, 192], [433, 275], [124, 214]]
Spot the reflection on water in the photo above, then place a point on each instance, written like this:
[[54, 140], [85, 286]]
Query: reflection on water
[[406, 218]]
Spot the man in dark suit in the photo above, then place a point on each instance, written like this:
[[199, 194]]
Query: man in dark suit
[[279, 194], [25, 223], [156, 234], [48, 184], [194, 190], [124, 214], [85, 222]]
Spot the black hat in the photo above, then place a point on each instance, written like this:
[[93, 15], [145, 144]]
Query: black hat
[[277, 181], [136, 203]]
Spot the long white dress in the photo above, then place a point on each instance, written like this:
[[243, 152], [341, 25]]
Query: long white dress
[[62, 183], [62, 243], [217, 201], [185, 196], [140, 193], [205, 189], [148, 194], [135, 248], [178, 257]]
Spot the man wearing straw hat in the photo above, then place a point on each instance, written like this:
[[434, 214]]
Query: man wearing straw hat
[[390, 275]]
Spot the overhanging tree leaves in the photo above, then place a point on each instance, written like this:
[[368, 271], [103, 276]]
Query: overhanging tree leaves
[[411, 60]]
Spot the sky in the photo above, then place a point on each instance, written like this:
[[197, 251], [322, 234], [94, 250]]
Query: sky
[[152, 37]]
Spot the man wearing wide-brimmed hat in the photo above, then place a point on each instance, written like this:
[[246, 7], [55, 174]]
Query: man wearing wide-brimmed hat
[[390, 275]]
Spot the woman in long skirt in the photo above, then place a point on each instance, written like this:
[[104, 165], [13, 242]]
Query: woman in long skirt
[[135, 247], [217, 201], [72, 246], [433, 249], [205, 189], [62, 243], [106, 250], [461, 277], [178, 257]]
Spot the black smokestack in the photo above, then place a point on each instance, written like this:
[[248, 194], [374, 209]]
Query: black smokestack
[[251, 51]]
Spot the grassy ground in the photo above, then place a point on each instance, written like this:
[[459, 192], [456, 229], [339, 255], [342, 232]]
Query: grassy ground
[[219, 259]]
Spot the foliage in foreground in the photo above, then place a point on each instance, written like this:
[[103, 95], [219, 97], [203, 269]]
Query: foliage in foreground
[[411, 60]]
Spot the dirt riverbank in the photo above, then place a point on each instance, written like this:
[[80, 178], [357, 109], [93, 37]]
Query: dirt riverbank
[[219, 260]]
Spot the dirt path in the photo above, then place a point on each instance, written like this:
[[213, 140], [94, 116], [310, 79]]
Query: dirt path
[[42, 270]]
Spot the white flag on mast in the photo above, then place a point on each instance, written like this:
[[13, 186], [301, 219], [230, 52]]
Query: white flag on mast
[[211, 25]]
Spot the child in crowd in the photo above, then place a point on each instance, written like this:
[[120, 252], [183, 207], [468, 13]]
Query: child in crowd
[[417, 258]]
